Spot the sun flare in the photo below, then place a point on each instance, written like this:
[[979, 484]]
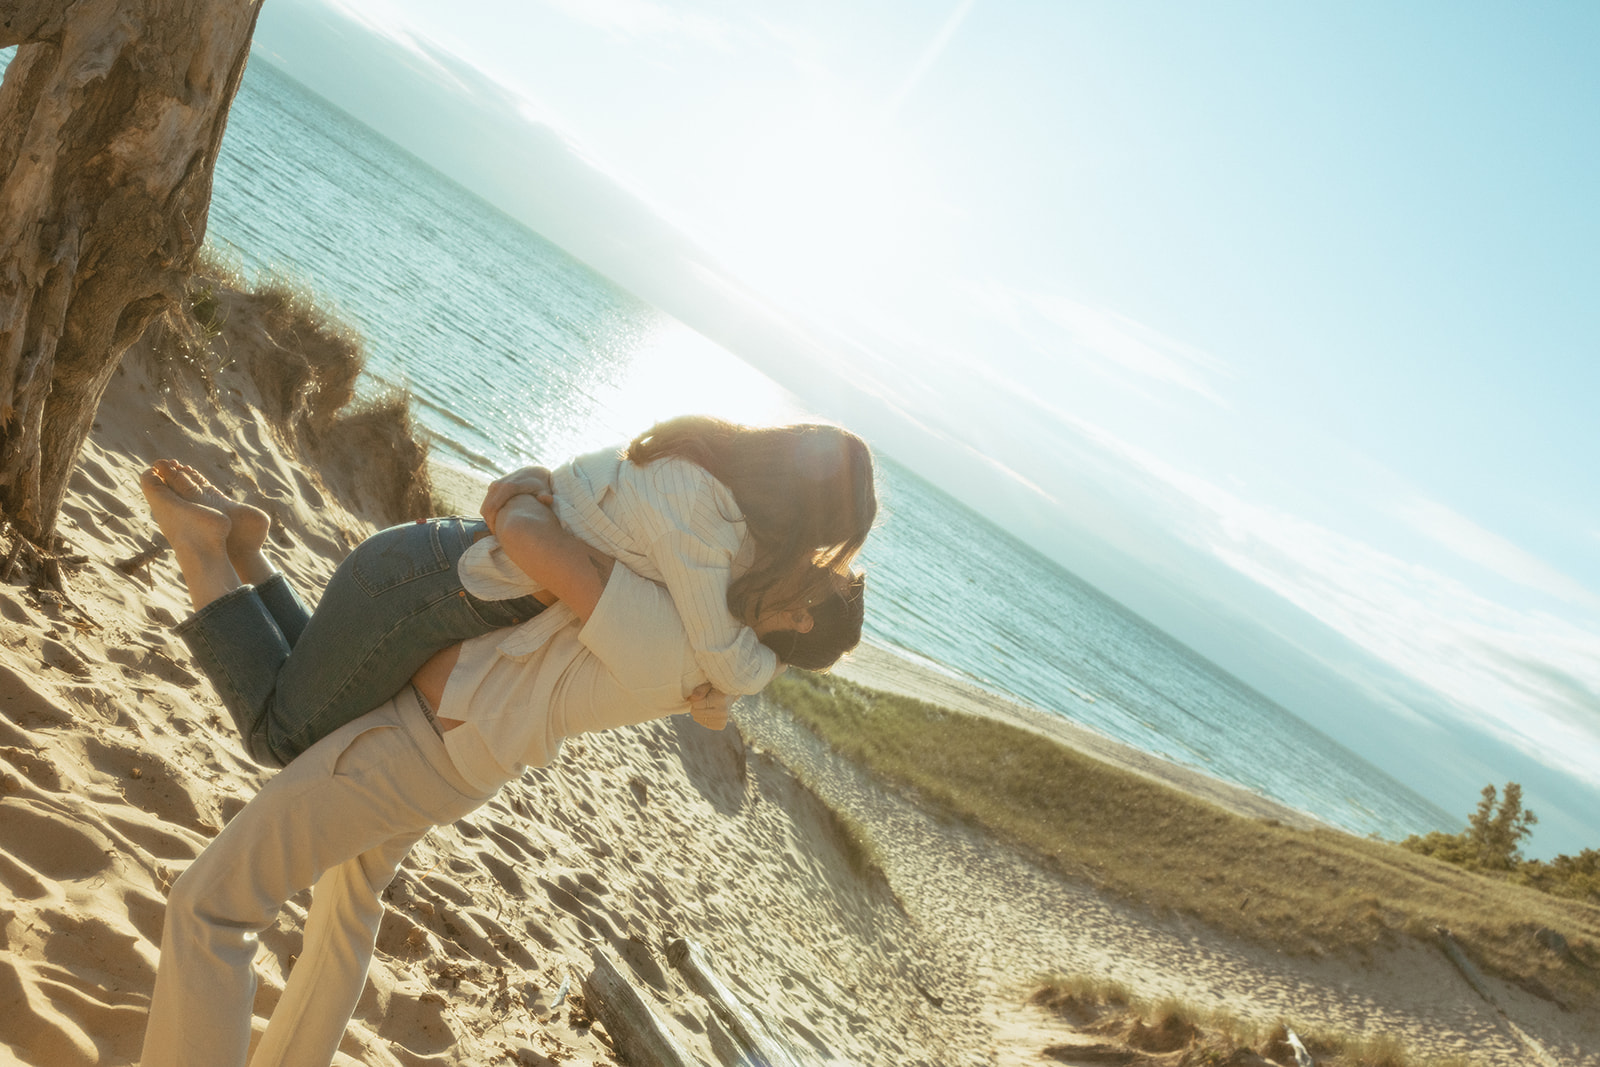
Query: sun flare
[[823, 212]]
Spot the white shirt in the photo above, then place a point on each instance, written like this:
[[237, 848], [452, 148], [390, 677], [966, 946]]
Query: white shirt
[[631, 662], [669, 521]]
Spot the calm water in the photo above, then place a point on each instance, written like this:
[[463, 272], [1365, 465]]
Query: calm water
[[514, 351]]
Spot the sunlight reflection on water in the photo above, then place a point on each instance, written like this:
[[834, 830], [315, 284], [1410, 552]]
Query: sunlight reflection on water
[[675, 371]]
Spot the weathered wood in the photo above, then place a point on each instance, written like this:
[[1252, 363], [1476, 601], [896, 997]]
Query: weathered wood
[[140, 560], [639, 1036], [761, 1045], [111, 116], [1475, 978]]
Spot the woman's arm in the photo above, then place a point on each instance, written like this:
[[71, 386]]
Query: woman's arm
[[535, 481], [533, 540]]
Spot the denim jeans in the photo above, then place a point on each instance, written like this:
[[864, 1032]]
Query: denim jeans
[[289, 677]]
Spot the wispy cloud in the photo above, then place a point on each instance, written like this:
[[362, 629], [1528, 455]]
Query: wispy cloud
[[1530, 678], [1527, 677], [929, 57], [1056, 325], [1493, 552], [382, 20]]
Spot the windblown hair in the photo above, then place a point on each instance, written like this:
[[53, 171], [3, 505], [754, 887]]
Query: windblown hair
[[835, 627], [806, 492]]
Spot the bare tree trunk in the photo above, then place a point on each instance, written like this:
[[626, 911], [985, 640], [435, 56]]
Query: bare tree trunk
[[111, 115]]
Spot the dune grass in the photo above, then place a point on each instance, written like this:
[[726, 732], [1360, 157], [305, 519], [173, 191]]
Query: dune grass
[[1304, 892], [1209, 1036], [304, 360]]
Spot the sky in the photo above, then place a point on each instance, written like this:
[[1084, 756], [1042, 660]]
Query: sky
[[1276, 322]]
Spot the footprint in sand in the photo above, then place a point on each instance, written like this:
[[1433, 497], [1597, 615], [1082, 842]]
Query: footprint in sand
[[149, 782], [39, 771], [416, 1018], [29, 709], [157, 841], [52, 844], [503, 873]]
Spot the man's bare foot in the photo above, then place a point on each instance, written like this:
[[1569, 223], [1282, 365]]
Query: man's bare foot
[[250, 525]]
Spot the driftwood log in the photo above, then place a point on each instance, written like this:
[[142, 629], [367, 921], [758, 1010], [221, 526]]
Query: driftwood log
[[1452, 949], [760, 1045], [637, 1033]]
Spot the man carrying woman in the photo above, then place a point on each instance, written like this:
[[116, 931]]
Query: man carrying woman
[[583, 645]]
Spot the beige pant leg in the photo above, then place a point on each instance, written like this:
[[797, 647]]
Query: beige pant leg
[[349, 807], [326, 983]]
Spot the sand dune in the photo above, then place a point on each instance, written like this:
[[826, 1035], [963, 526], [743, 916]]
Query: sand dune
[[118, 768]]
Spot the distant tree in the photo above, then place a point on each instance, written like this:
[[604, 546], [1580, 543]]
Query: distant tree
[[1577, 876], [1497, 833], [1493, 838], [111, 116]]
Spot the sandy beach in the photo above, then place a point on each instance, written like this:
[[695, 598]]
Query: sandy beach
[[117, 767]]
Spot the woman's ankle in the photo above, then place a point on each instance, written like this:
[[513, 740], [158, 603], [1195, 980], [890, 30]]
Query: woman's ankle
[[253, 568]]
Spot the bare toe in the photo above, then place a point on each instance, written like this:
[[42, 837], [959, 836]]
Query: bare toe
[[183, 521]]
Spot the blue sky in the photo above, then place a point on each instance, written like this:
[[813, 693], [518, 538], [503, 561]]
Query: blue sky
[[1275, 321]]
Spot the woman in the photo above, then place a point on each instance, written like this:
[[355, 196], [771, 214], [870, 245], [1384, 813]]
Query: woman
[[345, 813]]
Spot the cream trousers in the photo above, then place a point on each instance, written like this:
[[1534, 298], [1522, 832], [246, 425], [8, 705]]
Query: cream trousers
[[341, 817]]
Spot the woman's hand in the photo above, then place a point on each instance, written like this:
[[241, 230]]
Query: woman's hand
[[530, 481], [709, 706]]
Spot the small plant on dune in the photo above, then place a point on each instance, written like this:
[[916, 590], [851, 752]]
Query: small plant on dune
[[182, 339], [396, 481], [304, 362], [319, 356], [1207, 1038]]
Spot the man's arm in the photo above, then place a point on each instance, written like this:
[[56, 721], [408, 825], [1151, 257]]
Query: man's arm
[[534, 541]]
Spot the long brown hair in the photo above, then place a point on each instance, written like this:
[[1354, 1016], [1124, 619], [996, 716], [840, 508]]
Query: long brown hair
[[806, 492]]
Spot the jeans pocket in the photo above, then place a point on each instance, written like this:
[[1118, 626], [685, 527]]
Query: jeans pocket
[[398, 555]]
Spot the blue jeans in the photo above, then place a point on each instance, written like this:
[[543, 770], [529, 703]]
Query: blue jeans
[[289, 676]]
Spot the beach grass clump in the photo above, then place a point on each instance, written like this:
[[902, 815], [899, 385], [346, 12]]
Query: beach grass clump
[[1207, 1036], [302, 361], [311, 375], [181, 340], [1300, 891], [394, 481]]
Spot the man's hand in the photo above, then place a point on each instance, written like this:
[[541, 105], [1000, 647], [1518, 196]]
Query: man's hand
[[709, 707], [533, 481]]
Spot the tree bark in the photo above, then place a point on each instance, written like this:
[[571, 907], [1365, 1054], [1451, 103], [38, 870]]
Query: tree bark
[[111, 115]]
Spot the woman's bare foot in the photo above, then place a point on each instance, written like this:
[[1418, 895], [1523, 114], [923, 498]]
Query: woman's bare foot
[[198, 535], [250, 525]]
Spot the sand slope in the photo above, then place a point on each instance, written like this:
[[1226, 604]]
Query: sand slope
[[117, 768]]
